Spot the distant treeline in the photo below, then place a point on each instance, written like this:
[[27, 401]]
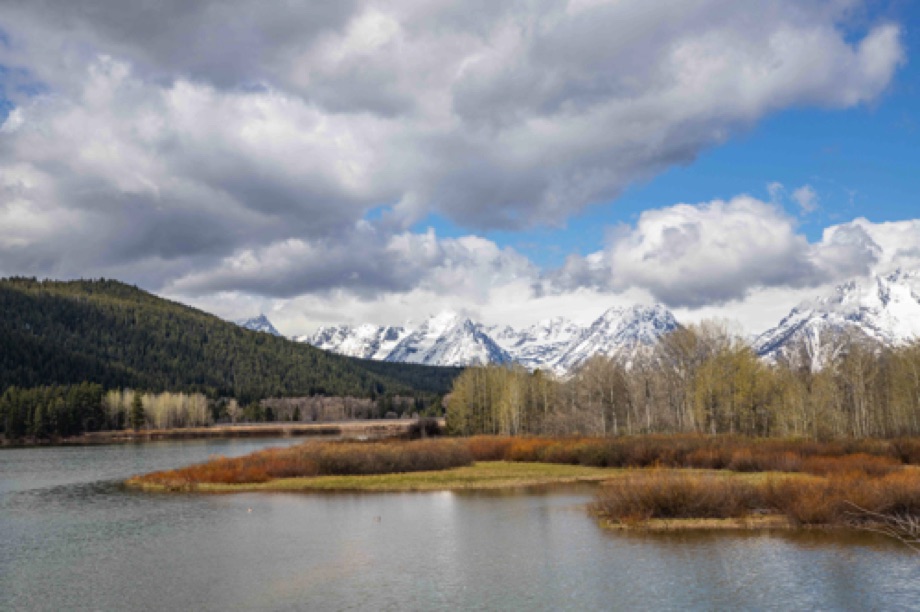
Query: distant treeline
[[702, 379], [62, 411], [118, 336]]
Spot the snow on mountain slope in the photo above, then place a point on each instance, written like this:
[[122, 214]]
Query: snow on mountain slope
[[259, 324], [448, 339], [884, 309], [618, 331], [538, 345], [365, 341]]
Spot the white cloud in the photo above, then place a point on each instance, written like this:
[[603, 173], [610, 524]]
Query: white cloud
[[715, 253], [740, 259], [708, 253], [807, 198], [777, 192], [506, 116], [220, 147]]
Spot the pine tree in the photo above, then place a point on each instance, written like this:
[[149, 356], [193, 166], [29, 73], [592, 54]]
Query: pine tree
[[137, 412]]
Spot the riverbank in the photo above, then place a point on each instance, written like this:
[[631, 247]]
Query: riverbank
[[358, 430]]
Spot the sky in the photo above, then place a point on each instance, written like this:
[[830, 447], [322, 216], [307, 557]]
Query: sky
[[356, 161]]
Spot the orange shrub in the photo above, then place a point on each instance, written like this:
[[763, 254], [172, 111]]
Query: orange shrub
[[528, 449], [489, 448], [319, 458], [860, 462], [666, 494]]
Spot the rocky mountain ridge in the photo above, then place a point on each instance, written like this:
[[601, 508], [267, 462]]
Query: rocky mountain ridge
[[882, 309], [448, 338]]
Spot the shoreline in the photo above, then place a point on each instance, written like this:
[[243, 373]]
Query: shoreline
[[363, 429], [765, 522]]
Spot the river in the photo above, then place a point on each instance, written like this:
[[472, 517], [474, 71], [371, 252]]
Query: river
[[72, 538]]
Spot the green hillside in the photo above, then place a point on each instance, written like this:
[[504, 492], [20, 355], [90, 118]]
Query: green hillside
[[116, 335]]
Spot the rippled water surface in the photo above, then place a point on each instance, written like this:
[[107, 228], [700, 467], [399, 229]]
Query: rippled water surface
[[72, 538]]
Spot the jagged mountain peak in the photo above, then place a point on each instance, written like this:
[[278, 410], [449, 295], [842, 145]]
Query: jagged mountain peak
[[620, 330], [883, 308], [449, 338], [259, 323], [452, 338], [366, 341]]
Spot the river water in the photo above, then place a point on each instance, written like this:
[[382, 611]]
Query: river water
[[72, 538]]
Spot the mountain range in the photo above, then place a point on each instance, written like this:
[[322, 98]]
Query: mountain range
[[448, 338], [883, 309]]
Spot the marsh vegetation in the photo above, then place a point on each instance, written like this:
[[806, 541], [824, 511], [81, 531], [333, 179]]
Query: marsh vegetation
[[644, 478]]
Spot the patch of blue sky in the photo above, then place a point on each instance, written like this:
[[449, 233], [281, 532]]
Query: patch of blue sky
[[6, 105], [15, 84]]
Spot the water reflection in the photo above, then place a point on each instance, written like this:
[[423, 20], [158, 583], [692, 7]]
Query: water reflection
[[71, 537]]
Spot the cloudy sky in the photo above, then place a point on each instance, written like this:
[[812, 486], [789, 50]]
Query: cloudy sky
[[353, 161]]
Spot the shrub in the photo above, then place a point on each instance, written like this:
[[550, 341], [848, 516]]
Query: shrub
[[859, 462], [663, 494], [489, 448], [317, 459]]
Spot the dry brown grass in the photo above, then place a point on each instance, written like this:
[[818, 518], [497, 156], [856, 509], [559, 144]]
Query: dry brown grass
[[675, 494], [853, 498], [315, 459], [735, 453]]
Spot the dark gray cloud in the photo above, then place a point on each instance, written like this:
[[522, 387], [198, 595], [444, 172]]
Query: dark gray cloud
[[228, 43], [364, 263]]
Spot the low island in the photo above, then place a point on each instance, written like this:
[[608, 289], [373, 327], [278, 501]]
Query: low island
[[645, 482]]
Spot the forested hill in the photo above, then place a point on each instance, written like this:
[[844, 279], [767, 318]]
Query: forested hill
[[117, 335]]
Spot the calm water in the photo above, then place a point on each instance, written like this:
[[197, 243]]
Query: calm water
[[72, 538]]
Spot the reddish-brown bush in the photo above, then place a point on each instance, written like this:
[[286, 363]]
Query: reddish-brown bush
[[489, 448], [907, 450], [669, 494], [736, 453], [838, 499], [859, 462], [320, 458]]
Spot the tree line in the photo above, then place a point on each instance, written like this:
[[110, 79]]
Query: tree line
[[703, 379], [61, 411]]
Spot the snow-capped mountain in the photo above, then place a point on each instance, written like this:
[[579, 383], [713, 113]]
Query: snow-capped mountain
[[259, 324], [448, 339], [540, 345], [617, 332], [882, 309], [365, 341]]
